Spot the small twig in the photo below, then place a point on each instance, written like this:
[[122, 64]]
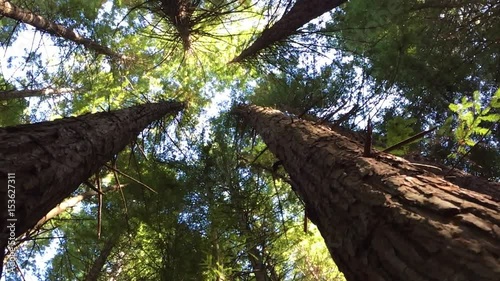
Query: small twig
[[20, 271], [469, 151], [346, 116], [409, 140], [99, 209], [259, 155], [141, 150], [91, 186], [130, 178], [367, 152]]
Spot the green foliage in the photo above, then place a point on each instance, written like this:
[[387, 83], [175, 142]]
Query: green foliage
[[399, 129], [415, 46], [12, 112], [306, 90], [309, 259], [471, 119], [219, 209]]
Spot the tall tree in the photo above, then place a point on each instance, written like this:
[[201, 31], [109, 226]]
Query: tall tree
[[429, 55], [382, 217], [301, 13], [95, 269], [156, 234], [46, 161], [10, 10]]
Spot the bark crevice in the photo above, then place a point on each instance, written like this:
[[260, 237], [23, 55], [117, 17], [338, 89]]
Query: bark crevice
[[382, 218]]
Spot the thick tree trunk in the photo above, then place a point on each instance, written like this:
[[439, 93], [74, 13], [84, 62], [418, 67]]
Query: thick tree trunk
[[383, 218], [17, 94], [455, 176], [301, 13], [10, 10], [460, 178], [179, 14], [47, 161], [95, 270]]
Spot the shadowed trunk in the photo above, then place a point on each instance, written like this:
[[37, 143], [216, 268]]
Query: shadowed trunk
[[46, 161], [8, 9], [179, 14], [95, 270], [301, 13], [382, 218]]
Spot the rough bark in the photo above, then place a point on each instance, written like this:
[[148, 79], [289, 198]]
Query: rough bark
[[179, 13], [460, 178], [12, 11], [453, 175], [95, 270], [301, 13], [51, 159], [382, 218], [17, 94]]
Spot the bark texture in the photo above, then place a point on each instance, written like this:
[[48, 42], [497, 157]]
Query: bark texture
[[179, 13], [453, 175], [383, 218], [12, 11], [51, 159], [301, 13]]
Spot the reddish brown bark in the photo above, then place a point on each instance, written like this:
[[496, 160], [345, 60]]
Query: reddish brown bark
[[12, 11], [301, 13], [51, 159], [455, 176], [383, 218], [179, 13], [460, 178]]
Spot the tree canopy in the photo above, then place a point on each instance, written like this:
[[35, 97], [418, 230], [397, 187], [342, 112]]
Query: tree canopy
[[202, 197]]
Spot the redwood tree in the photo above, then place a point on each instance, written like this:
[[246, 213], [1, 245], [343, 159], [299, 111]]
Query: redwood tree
[[301, 13], [100, 261], [10, 10], [51, 159], [382, 217]]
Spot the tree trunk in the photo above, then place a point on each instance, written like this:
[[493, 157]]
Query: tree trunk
[[10, 10], [301, 13], [460, 178], [47, 161], [95, 270], [179, 14], [70, 203], [453, 175], [17, 94], [383, 218]]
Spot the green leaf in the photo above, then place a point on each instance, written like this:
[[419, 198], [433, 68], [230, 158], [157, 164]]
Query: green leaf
[[491, 117], [468, 118], [495, 101], [481, 131], [470, 142], [454, 107]]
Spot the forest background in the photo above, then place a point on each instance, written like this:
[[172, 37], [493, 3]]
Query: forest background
[[200, 197]]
